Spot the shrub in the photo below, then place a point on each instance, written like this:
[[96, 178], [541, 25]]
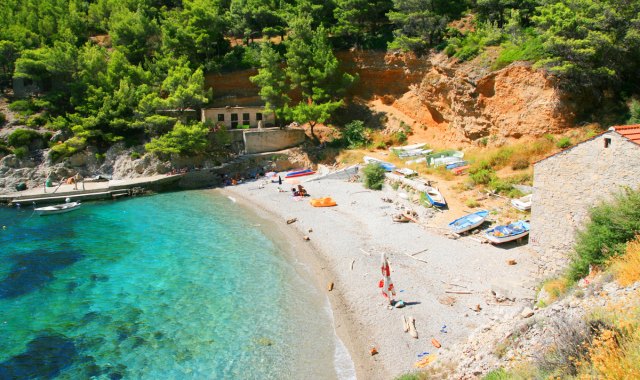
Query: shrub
[[556, 288], [472, 203], [611, 226], [564, 142], [626, 268], [21, 151], [3, 118], [100, 157], [530, 49], [36, 121], [355, 134], [183, 139], [134, 155], [501, 157], [374, 175], [482, 176], [23, 107], [520, 164], [22, 137], [67, 148]]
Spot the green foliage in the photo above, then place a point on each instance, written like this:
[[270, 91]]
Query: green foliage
[[67, 148], [23, 107], [22, 137], [21, 151], [634, 110], [374, 175], [473, 43], [421, 24], [3, 118], [272, 80], [520, 164], [498, 374], [183, 139], [481, 176], [564, 142], [611, 226], [529, 49], [135, 155], [355, 134]]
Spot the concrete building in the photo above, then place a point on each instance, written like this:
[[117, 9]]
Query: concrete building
[[236, 117], [568, 183]]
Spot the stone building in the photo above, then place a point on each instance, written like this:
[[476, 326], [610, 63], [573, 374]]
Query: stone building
[[568, 183], [237, 117]]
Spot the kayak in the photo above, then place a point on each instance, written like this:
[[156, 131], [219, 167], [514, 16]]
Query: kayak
[[300, 174]]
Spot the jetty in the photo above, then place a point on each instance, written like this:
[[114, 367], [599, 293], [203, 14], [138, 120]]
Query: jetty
[[91, 190]]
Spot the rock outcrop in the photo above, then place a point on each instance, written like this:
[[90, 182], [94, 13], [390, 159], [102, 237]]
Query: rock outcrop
[[475, 103]]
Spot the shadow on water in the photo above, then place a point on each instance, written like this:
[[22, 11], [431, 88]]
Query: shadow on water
[[32, 270], [45, 358]]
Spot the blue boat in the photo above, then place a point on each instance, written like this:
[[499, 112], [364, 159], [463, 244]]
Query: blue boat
[[435, 197], [469, 222], [503, 234], [458, 164], [297, 173], [388, 166]]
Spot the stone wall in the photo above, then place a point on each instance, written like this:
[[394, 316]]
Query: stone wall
[[568, 184], [272, 140]]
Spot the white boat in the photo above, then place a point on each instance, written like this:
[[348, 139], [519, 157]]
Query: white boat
[[445, 158], [522, 204], [408, 147], [503, 234], [58, 209], [469, 222], [435, 197], [406, 172], [444, 161]]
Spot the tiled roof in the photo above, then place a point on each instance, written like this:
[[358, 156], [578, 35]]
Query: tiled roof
[[632, 132]]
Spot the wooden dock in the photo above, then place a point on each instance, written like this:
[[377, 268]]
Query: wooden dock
[[90, 190]]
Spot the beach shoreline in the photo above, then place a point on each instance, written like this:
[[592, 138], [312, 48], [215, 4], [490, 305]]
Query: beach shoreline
[[344, 248]]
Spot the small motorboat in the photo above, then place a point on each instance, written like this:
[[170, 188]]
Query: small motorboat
[[503, 234], [435, 197], [58, 209], [522, 204], [469, 222], [386, 165], [406, 172], [456, 164]]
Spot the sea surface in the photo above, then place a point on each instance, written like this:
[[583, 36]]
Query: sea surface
[[184, 285]]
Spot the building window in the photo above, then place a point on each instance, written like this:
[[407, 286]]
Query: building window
[[234, 120], [245, 117], [607, 142], [234, 124], [259, 116], [220, 117]]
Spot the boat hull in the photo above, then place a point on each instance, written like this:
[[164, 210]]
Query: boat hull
[[503, 234], [57, 209], [300, 174], [469, 222], [504, 239], [435, 198]]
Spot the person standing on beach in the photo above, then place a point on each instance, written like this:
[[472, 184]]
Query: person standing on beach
[[279, 180]]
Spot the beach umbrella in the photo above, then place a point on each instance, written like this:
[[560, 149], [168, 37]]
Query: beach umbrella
[[387, 286]]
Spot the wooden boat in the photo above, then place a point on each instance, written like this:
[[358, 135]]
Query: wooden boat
[[503, 234], [435, 197], [468, 222], [460, 170], [522, 204], [386, 165], [300, 173], [58, 209]]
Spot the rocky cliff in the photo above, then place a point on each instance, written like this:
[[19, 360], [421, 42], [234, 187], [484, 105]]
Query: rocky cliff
[[473, 102]]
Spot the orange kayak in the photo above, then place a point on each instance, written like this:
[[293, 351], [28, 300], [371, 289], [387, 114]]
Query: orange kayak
[[323, 202]]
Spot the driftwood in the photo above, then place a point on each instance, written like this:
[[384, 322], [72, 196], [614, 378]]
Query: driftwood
[[352, 262], [415, 258], [424, 250], [456, 292], [452, 284], [365, 252]]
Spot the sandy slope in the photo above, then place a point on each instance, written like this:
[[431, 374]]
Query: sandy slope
[[348, 240]]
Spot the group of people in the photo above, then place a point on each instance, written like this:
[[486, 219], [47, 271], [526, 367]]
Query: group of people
[[299, 192]]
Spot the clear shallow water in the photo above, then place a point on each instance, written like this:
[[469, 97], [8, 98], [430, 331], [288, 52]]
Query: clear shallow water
[[178, 285]]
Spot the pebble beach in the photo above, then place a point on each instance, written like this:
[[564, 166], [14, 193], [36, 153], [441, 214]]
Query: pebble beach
[[453, 288]]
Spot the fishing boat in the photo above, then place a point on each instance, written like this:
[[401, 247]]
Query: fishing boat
[[58, 209], [300, 173], [435, 197], [406, 172], [522, 204], [503, 234], [468, 222], [386, 165], [456, 164]]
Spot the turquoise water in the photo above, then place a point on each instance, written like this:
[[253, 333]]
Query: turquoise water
[[173, 286]]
